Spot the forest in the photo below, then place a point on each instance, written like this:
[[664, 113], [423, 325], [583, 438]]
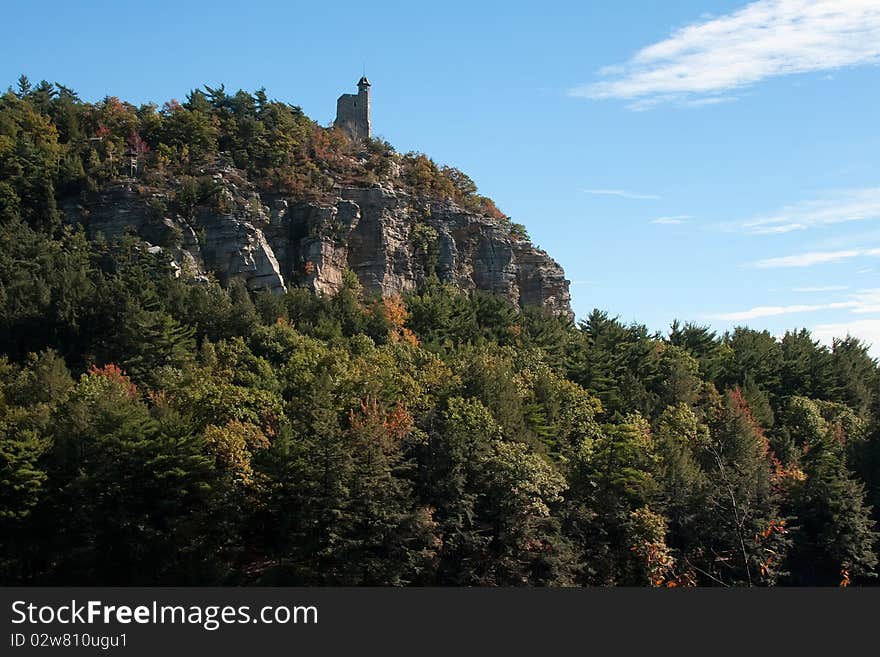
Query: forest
[[155, 431]]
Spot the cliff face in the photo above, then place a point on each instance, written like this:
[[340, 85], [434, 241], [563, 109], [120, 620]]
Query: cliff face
[[391, 240]]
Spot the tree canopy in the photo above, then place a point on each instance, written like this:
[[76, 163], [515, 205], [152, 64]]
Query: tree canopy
[[157, 431]]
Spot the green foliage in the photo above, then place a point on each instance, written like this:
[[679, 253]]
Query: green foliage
[[835, 539], [742, 505], [159, 430], [293, 440], [123, 493], [424, 240]]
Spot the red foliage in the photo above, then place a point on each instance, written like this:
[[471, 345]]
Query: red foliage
[[117, 375], [330, 145], [114, 105], [780, 473], [742, 407], [375, 422], [775, 526], [137, 144], [488, 207], [171, 106]]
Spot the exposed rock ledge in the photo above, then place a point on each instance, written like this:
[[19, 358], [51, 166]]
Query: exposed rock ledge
[[391, 240]]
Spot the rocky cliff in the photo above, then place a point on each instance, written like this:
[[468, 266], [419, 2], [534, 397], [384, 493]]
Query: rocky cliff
[[389, 238]]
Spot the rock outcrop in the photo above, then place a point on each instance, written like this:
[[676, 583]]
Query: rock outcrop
[[390, 239]]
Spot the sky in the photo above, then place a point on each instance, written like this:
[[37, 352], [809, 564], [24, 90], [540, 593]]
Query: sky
[[715, 162]]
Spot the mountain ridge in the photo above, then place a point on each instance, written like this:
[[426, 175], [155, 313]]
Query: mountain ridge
[[243, 187], [391, 239]]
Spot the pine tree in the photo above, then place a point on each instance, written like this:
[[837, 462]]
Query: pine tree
[[450, 467], [154, 339], [835, 540], [679, 440], [744, 535], [130, 503]]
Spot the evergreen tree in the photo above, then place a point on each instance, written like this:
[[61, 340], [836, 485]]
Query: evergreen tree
[[745, 539], [443, 437], [836, 539], [130, 504]]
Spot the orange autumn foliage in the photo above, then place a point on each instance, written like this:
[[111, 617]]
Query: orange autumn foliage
[[117, 375], [396, 313], [374, 421]]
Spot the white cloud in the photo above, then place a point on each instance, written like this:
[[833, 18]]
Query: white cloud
[[772, 311], [621, 193], [777, 230], [764, 39], [822, 288], [671, 221], [866, 330], [834, 208], [867, 301], [711, 100], [644, 104], [815, 258], [862, 301]]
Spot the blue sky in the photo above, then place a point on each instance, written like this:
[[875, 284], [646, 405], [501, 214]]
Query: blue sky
[[711, 161]]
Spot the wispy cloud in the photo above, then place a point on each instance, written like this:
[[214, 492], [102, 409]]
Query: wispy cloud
[[645, 104], [764, 39], [815, 258], [867, 330], [866, 301], [711, 100], [622, 193], [821, 288], [671, 221], [834, 208], [776, 230], [861, 302], [772, 311]]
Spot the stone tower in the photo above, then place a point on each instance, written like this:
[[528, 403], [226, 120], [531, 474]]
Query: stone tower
[[353, 111]]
